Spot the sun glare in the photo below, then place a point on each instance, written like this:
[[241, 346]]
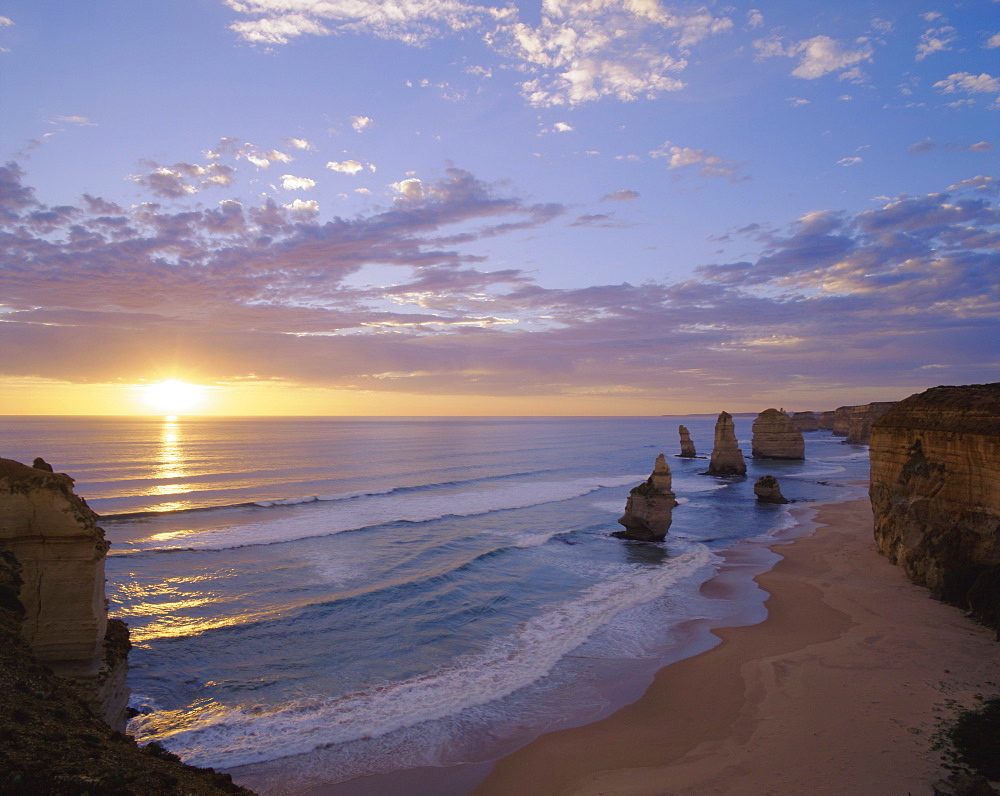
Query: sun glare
[[173, 396]]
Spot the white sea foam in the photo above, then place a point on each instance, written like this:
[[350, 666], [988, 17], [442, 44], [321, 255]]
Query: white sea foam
[[378, 509], [214, 735]]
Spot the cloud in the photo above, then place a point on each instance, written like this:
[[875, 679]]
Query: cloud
[[299, 143], [705, 163], [97, 292], [798, 101], [562, 127], [184, 179], [292, 183], [361, 123], [936, 40], [755, 19], [992, 42], [818, 56], [852, 161], [969, 83], [6, 22], [624, 195], [79, 121], [303, 206], [922, 147], [345, 167]]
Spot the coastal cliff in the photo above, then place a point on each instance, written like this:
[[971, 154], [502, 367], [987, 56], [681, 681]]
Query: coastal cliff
[[54, 536], [649, 508], [935, 493], [63, 663], [855, 422]]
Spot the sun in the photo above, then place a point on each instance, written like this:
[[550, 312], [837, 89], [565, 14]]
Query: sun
[[173, 396]]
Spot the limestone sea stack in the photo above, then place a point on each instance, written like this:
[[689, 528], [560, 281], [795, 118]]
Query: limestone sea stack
[[775, 436], [649, 508], [826, 420], [860, 419], [935, 493], [805, 421], [727, 458], [767, 490], [53, 535], [687, 446]]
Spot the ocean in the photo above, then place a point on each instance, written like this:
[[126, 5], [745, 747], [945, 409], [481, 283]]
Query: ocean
[[313, 600]]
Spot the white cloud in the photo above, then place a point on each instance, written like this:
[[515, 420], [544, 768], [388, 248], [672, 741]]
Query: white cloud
[[303, 206], [299, 143], [276, 29], [6, 22], [346, 167], [853, 161], [817, 56], [797, 101], [292, 183], [707, 164], [360, 123], [993, 42], [80, 121], [936, 40], [969, 83], [362, 191], [411, 189], [755, 19], [562, 127]]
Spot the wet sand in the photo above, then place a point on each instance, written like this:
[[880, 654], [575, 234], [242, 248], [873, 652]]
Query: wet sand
[[837, 691]]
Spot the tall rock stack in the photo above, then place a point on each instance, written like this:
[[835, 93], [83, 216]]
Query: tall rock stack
[[687, 446], [805, 421], [935, 493], [649, 508], [775, 436], [53, 534], [727, 458]]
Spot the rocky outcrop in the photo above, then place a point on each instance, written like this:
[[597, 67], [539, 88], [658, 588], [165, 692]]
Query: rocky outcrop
[[860, 419], [855, 422], [841, 420], [649, 508], [52, 743], [776, 437], [826, 420], [805, 421], [54, 536], [767, 490], [687, 446], [935, 493], [727, 458]]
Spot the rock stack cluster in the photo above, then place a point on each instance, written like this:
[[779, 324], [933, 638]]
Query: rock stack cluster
[[935, 493], [687, 446], [53, 535], [727, 458], [775, 436], [650, 506]]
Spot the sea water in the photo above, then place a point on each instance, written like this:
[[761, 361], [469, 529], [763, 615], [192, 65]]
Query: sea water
[[390, 593]]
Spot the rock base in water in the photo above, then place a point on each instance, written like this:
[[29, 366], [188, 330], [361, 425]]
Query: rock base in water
[[767, 490], [650, 506]]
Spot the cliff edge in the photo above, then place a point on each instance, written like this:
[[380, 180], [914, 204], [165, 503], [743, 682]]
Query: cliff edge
[[935, 493]]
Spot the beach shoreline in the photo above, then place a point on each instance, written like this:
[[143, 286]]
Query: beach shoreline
[[838, 690]]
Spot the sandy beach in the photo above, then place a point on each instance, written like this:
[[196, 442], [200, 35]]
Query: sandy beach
[[838, 691]]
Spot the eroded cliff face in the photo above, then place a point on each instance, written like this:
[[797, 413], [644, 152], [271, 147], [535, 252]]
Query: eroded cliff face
[[805, 421], [649, 508], [860, 420], [935, 492], [54, 536], [775, 436]]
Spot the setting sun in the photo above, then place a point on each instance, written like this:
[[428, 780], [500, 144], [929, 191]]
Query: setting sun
[[173, 396]]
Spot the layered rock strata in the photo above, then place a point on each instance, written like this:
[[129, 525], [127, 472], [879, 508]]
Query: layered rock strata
[[826, 420], [775, 436], [935, 493], [649, 508], [687, 446], [727, 458], [54, 535], [841, 420], [805, 421], [767, 490], [860, 419], [51, 743]]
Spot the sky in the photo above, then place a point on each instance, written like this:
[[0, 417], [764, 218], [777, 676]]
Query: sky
[[437, 207]]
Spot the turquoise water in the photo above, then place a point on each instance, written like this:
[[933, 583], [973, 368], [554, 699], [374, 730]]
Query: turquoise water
[[401, 592]]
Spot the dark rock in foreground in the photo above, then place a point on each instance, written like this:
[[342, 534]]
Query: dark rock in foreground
[[767, 490]]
